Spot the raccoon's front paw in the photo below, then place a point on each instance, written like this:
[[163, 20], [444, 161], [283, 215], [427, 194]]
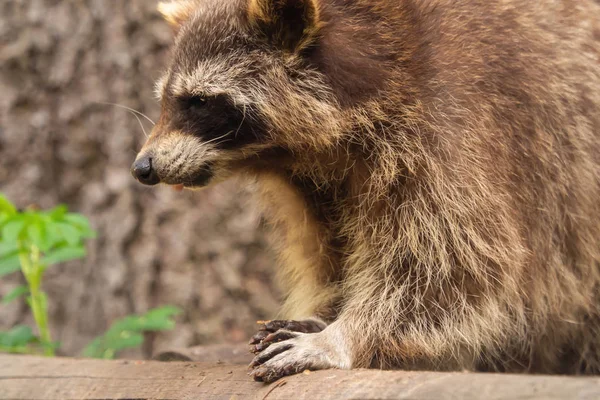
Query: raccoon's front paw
[[279, 330], [300, 353]]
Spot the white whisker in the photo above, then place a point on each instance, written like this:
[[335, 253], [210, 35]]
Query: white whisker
[[128, 109], [217, 138], [141, 125], [241, 123]]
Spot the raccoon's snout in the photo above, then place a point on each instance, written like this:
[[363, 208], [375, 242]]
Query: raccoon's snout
[[143, 171]]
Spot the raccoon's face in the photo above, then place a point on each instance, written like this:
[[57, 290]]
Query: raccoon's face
[[238, 87]]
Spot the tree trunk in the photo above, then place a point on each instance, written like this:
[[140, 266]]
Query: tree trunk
[[60, 62]]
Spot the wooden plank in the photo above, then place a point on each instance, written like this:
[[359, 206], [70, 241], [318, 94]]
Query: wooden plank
[[23, 377], [232, 354]]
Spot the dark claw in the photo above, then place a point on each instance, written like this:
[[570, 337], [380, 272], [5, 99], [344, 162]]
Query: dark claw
[[307, 326], [271, 338], [279, 330], [267, 375], [273, 326], [259, 337], [279, 336], [266, 356], [258, 374], [257, 348]]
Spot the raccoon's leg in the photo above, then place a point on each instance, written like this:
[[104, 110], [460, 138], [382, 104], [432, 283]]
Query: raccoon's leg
[[384, 334], [279, 330], [345, 345]]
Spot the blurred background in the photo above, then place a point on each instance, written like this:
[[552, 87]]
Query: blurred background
[[204, 252]]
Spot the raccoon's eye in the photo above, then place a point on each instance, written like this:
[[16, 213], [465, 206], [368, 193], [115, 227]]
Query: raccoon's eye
[[194, 102]]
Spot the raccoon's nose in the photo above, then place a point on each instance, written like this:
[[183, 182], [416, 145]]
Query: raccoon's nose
[[142, 171]]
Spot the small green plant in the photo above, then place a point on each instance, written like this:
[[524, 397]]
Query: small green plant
[[30, 242], [128, 332]]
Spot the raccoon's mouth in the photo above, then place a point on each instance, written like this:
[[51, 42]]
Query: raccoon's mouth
[[200, 179]]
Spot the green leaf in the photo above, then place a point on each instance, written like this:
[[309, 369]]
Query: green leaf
[[6, 207], [53, 233], [7, 249], [58, 213], [76, 219], [69, 233], [37, 235], [159, 319], [14, 294], [125, 340], [63, 254], [107, 346], [81, 223], [127, 332], [166, 311], [94, 349], [18, 336], [129, 323], [12, 229], [9, 264]]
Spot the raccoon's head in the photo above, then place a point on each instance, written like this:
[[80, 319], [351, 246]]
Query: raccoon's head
[[239, 86]]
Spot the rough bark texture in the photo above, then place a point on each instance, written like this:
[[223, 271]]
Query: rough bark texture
[[64, 379], [59, 60]]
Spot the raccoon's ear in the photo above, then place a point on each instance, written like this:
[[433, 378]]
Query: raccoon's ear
[[176, 12], [291, 24]]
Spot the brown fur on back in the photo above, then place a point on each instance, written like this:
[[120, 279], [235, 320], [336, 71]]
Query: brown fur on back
[[464, 217]]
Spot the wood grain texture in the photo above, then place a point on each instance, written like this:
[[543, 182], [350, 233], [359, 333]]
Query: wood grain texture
[[204, 252], [231, 354], [67, 379]]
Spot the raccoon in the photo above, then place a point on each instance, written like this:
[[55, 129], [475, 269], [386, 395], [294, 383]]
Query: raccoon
[[430, 168]]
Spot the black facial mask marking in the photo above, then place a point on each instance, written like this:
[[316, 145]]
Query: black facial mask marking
[[214, 119]]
